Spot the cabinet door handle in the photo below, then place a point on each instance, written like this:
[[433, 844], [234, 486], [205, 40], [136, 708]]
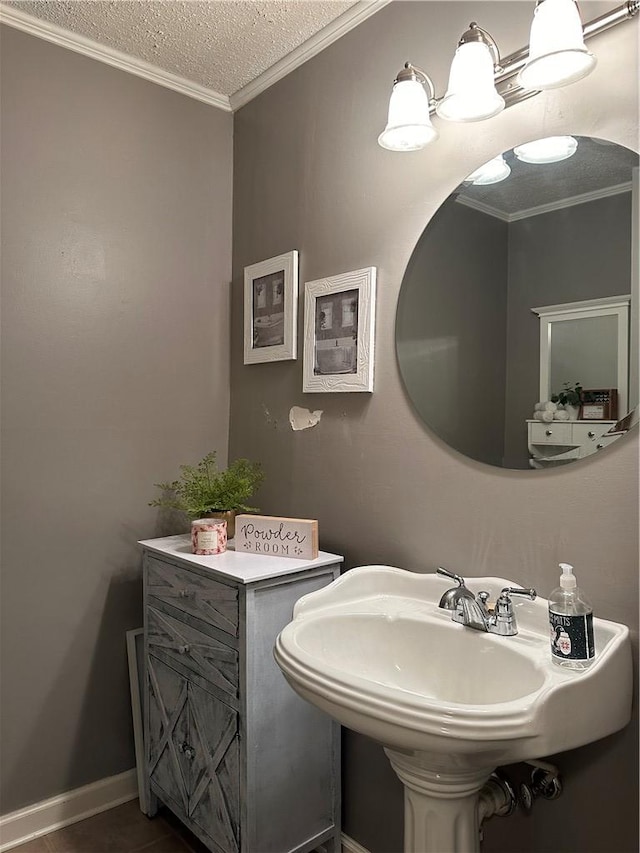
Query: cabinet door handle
[[591, 434], [548, 432], [183, 650]]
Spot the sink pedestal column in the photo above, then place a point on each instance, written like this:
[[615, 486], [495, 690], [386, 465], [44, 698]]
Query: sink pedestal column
[[441, 811]]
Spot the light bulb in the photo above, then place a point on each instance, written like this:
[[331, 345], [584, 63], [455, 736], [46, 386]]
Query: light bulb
[[557, 53], [409, 126], [552, 149], [492, 172], [471, 93]]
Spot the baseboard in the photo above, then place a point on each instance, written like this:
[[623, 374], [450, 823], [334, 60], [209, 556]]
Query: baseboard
[[41, 818], [49, 815], [351, 846]]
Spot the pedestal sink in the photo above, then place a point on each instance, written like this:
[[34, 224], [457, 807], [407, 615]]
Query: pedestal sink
[[448, 703]]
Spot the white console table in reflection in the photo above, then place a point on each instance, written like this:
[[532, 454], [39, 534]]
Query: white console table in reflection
[[559, 442]]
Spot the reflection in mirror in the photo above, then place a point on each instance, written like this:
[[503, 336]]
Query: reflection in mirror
[[555, 234], [588, 339]]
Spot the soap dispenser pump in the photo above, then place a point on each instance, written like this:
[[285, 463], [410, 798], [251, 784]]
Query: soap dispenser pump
[[571, 623]]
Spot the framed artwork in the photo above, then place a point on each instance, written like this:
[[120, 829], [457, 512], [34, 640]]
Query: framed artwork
[[339, 332], [271, 309], [599, 404]]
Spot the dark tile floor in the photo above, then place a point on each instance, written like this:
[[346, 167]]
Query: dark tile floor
[[121, 830]]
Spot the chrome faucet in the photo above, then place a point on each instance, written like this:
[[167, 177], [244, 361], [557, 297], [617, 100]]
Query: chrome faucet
[[473, 612], [452, 596]]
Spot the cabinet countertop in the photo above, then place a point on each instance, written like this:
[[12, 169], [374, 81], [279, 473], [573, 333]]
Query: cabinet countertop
[[245, 568], [587, 421]]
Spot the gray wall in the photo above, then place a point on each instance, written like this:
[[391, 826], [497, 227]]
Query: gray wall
[[116, 231], [450, 328], [579, 252], [382, 486]]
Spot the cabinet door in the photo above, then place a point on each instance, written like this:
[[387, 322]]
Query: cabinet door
[[214, 803], [168, 755]]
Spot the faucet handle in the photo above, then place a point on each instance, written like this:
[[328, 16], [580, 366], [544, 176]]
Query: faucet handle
[[457, 578], [451, 597], [505, 618], [516, 590]]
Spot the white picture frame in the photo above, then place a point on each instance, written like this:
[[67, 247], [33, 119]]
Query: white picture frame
[[339, 332], [271, 309]]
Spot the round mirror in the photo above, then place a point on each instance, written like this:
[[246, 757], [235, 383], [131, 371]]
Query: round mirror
[[513, 324]]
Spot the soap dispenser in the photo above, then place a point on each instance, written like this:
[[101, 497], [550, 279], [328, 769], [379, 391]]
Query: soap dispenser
[[571, 623]]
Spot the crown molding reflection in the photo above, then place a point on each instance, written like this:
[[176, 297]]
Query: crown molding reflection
[[582, 198]]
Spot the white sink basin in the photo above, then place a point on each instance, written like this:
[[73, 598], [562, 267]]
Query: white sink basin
[[375, 652]]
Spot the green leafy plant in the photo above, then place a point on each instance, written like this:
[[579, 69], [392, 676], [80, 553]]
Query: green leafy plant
[[202, 488], [571, 394]]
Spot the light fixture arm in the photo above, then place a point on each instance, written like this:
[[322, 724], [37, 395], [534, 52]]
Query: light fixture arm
[[477, 34], [412, 72]]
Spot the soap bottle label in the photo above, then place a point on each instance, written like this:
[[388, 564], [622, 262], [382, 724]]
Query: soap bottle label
[[571, 636]]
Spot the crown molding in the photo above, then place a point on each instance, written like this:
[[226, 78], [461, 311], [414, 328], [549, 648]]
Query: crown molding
[[483, 207], [318, 42], [88, 47], [582, 198]]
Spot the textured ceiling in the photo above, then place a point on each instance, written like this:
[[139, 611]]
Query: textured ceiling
[[596, 165], [220, 45]]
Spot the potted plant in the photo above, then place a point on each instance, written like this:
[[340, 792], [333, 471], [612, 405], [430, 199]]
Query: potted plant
[[570, 397], [202, 491]]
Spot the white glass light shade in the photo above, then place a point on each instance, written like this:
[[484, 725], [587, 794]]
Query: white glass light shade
[[409, 124], [553, 149], [492, 172], [471, 94], [557, 53]]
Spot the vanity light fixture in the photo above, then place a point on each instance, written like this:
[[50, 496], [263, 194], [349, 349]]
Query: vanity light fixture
[[481, 84], [552, 149], [409, 126], [557, 52], [471, 93], [492, 172]]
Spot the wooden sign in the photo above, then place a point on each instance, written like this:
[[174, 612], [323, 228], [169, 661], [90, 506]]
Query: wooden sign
[[599, 404], [277, 537]]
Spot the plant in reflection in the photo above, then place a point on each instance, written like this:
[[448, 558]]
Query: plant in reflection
[[571, 394]]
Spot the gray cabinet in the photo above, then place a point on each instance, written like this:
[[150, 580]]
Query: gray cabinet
[[230, 749]]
